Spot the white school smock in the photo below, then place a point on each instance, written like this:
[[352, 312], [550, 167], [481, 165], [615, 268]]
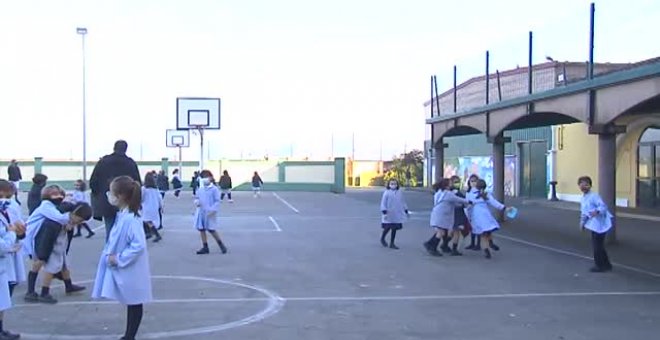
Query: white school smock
[[130, 281], [481, 217], [7, 243], [152, 201], [395, 205], [16, 272], [444, 204], [45, 210], [600, 223], [208, 198]]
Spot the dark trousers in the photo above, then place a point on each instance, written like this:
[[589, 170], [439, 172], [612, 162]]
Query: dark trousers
[[109, 221], [600, 255]]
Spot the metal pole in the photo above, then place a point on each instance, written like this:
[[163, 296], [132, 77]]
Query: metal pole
[[530, 83], [487, 76], [201, 148], [353, 147], [499, 86], [180, 161], [84, 118], [454, 88], [437, 96], [332, 146], [432, 81], [590, 70]]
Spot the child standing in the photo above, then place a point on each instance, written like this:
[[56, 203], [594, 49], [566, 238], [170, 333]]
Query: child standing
[[596, 217], [123, 272], [394, 209], [9, 232], [10, 214], [79, 195], [206, 215], [152, 203], [176, 183], [225, 186], [483, 222], [256, 184]]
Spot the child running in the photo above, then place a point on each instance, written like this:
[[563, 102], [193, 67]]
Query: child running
[[442, 218], [123, 272], [394, 209], [206, 215], [596, 217], [483, 222]]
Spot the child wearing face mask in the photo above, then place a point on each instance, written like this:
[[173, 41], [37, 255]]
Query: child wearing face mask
[[483, 222], [52, 196], [11, 229], [51, 245], [123, 272], [10, 214], [394, 211], [206, 215]]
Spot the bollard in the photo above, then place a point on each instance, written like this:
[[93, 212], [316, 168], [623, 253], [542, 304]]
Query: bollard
[[553, 191]]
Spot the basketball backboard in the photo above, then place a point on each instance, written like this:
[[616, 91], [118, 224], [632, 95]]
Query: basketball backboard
[[193, 113], [177, 138]]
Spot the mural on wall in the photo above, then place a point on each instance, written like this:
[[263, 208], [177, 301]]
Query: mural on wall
[[482, 167]]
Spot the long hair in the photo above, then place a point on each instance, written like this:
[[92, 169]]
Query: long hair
[[129, 192]]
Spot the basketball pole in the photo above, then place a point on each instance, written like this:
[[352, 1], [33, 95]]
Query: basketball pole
[[180, 160], [201, 148]]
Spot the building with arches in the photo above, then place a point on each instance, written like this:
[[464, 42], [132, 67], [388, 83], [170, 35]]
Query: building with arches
[[557, 122]]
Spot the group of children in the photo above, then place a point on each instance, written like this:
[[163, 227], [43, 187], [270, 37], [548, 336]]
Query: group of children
[[456, 213], [123, 272]]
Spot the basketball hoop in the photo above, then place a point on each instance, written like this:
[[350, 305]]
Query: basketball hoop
[[198, 114]]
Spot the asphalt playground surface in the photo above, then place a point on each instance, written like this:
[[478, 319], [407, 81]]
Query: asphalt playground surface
[[310, 266]]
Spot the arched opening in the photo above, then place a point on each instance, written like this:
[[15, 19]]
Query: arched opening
[[648, 168]]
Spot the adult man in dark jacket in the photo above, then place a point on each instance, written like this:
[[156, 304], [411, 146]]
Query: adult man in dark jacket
[[108, 168], [14, 176]]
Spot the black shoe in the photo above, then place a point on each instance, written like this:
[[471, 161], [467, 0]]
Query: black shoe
[[470, 247], [158, 238], [455, 252], [495, 247], [487, 253], [31, 297], [382, 241], [429, 248], [223, 249], [7, 335], [476, 248], [445, 249], [90, 235], [48, 299], [77, 234], [600, 270], [74, 289], [204, 250], [393, 246]]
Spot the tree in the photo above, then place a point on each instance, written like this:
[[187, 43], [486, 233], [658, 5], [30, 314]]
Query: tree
[[407, 168]]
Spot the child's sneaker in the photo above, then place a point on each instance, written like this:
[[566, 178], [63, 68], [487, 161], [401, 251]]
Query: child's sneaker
[[31, 297], [49, 299], [204, 250]]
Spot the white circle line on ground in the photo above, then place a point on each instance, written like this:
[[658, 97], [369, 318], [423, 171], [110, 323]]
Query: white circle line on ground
[[274, 305]]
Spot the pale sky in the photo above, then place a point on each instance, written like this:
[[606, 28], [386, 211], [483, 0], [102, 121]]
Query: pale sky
[[333, 67]]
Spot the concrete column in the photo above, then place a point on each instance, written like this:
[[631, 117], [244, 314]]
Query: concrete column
[[165, 165], [607, 175], [38, 165], [498, 171], [439, 161], [340, 175]]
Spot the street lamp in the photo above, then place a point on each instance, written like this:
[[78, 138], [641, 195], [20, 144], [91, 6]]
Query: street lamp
[[83, 31]]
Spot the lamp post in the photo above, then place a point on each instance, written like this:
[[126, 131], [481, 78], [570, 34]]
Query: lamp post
[[83, 31]]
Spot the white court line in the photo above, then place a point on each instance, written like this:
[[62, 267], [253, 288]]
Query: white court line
[[99, 227], [165, 231], [277, 226], [286, 203], [569, 253], [370, 298]]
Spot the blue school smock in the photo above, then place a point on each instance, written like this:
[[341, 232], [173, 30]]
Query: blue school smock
[[129, 282], [444, 203], [395, 206], [7, 244], [152, 201], [16, 272], [481, 217], [208, 200], [602, 222], [45, 210]]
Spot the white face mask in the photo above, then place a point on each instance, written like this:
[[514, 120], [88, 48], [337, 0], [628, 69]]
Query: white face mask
[[206, 181], [112, 199]]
